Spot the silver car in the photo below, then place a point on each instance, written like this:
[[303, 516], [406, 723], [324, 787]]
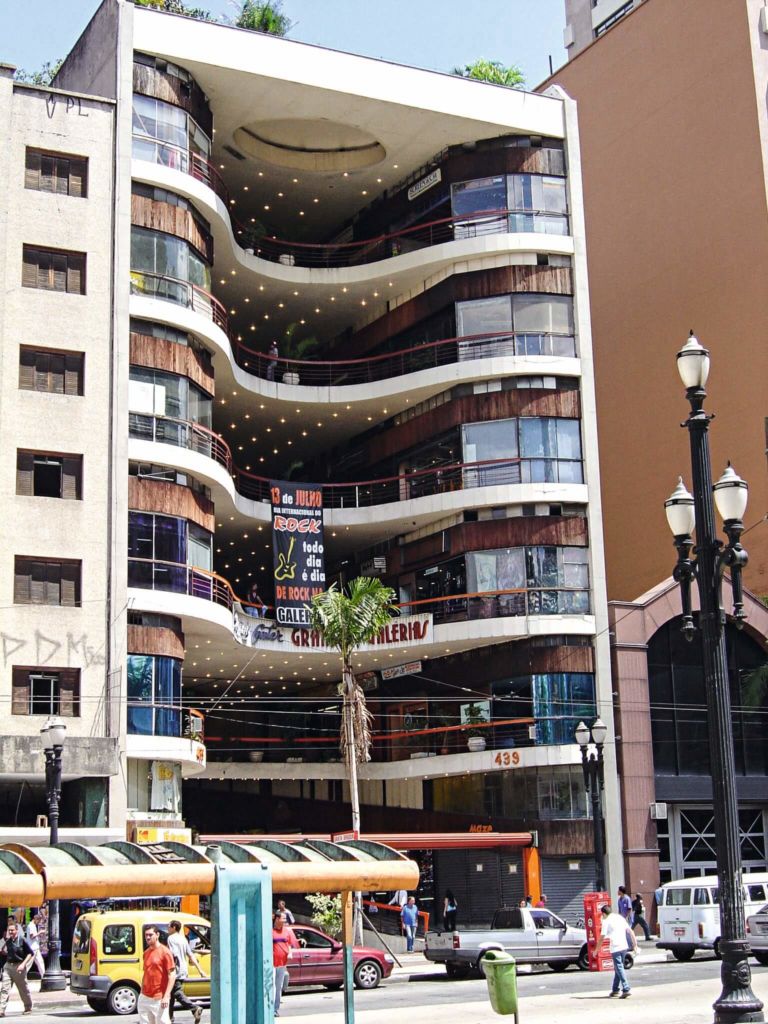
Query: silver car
[[757, 933]]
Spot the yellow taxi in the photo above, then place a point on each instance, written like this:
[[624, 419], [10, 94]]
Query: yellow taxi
[[108, 951]]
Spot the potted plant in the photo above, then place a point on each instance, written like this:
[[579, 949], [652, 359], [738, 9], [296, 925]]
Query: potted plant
[[292, 347], [475, 715], [250, 236]]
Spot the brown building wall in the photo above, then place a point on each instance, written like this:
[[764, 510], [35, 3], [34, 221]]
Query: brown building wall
[[677, 238]]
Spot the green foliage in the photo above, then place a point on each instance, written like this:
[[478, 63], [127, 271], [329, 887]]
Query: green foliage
[[44, 76], [177, 7], [292, 347], [326, 912], [475, 715], [349, 620], [263, 17], [493, 71]]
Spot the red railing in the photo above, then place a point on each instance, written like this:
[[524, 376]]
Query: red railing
[[362, 493], [183, 293], [176, 158], [427, 356], [177, 578]]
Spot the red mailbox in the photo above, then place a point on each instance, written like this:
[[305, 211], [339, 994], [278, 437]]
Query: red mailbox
[[599, 957]]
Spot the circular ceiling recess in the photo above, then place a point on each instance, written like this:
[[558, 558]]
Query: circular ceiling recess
[[310, 144]]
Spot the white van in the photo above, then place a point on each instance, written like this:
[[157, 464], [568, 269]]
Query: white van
[[689, 917]]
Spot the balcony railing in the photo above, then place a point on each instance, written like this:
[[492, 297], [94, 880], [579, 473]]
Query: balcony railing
[[499, 604], [177, 159], [183, 434], [183, 293], [363, 493], [157, 719], [177, 578]]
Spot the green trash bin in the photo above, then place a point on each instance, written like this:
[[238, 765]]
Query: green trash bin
[[501, 974]]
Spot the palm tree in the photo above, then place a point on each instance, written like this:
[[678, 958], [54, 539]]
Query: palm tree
[[493, 71], [267, 17], [346, 622]]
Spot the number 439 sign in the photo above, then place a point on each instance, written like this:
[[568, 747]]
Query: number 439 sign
[[507, 758]]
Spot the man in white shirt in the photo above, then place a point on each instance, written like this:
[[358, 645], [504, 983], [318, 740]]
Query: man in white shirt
[[33, 941], [615, 932], [182, 954]]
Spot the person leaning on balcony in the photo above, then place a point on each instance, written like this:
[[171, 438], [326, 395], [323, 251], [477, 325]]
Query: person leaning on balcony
[[273, 355], [258, 608]]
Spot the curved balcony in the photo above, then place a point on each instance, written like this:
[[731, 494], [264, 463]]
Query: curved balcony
[[360, 494], [346, 372], [337, 255]]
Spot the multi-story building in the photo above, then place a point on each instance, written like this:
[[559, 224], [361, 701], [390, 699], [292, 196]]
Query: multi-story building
[[586, 20], [62, 646], [678, 239], [414, 245]]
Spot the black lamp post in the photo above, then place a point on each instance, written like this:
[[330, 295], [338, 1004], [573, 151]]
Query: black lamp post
[[685, 512], [592, 762], [53, 733]]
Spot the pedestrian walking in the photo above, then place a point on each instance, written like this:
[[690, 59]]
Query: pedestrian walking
[[273, 355], [638, 911], [450, 906], [283, 944], [33, 941], [182, 953], [542, 901], [624, 905], [17, 957], [616, 933], [409, 915], [157, 984], [285, 913]]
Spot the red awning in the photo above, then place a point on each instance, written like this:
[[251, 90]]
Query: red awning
[[399, 840]]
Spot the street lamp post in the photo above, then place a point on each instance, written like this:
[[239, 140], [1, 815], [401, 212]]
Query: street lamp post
[[592, 763], [686, 512], [53, 734]]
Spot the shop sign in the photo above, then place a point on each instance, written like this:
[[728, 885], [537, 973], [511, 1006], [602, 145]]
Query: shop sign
[[481, 828], [151, 834], [425, 184], [297, 549], [401, 670], [404, 629]]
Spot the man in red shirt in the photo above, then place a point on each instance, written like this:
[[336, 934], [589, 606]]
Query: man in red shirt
[[157, 983], [283, 944]]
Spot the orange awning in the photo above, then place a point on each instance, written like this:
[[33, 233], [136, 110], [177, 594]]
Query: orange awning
[[400, 840]]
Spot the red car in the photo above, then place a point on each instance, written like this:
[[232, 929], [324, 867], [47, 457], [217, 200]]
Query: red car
[[320, 961]]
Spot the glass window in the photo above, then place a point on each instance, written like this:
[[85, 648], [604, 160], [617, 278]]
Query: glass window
[[154, 695], [538, 203], [119, 939], [200, 547], [485, 316], [678, 898], [494, 439], [479, 196], [700, 897], [543, 313]]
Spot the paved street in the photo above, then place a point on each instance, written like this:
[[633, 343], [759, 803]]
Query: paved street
[[662, 992]]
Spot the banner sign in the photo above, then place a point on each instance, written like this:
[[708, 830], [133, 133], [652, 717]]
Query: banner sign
[[412, 630], [297, 549], [426, 183], [412, 668]]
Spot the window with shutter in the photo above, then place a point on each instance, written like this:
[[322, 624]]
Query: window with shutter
[[32, 169], [56, 173], [27, 362], [20, 691], [49, 582], [51, 270], [69, 692], [54, 372], [71, 478], [25, 465]]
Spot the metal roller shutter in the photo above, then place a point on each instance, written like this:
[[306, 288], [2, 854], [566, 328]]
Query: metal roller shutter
[[565, 887], [478, 892]]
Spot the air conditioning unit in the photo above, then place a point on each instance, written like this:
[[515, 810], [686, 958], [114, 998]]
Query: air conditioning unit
[[658, 812]]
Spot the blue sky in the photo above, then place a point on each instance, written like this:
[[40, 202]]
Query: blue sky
[[436, 34]]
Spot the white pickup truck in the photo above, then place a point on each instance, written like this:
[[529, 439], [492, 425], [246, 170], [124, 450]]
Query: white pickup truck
[[530, 934]]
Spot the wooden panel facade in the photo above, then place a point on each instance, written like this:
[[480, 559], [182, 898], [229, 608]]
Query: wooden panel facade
[[479, 284], [488, 534], [459, 165], [156, 640], [167, 355], [497, 405], [173, 220], [171, 499], [189, 96]]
